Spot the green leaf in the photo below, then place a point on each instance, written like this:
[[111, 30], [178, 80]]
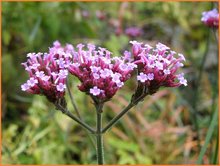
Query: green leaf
[[116, 43], [214, 159], [35, 30], [125, 158], [208, 137], [143, 159], [40, 135], [20, 149], [123, 145]]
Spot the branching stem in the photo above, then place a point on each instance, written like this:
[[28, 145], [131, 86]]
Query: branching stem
[[79, 121]]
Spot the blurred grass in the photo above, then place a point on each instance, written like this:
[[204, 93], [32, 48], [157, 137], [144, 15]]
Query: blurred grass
[[158, 131], [208, 136]]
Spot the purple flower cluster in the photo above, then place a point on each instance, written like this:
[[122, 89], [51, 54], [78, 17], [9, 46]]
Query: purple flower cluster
[[101, 76], [48, 71], [211, 18], [157, 66], [133, 31]]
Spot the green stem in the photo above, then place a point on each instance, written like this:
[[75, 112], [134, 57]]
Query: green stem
[[69, 114], [215, 155], [72, 100], [99, 140], [215, 35], [201, 69], [116, 118], [198, 82], [123, 112], [77, 110]]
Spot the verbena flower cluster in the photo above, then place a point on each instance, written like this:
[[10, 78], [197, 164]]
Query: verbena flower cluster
[[48, 72], [100, 74], [157, 66], [133, 31], [211, 18]]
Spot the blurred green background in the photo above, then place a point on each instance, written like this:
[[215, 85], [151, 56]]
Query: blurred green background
[[170, 127]]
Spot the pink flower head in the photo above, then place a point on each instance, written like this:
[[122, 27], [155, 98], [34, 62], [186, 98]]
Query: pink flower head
[[157, 66], [142, 77], [211, 18], [95, 91], [61, 87], [101, 76], [48, 72], [133, 31], [101, 15]]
